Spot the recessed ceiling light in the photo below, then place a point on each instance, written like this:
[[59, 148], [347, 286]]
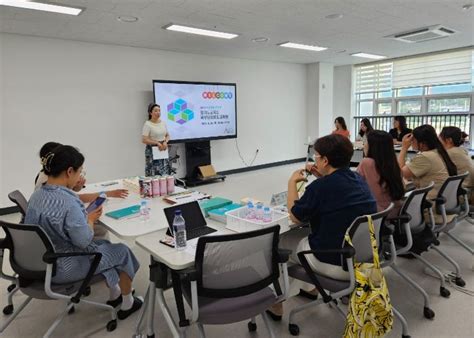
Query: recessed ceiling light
[[334, 16], [45, 7], [127, 18], [369, 56], [199, 31], [301, 46], [467, 7], [260, 39]]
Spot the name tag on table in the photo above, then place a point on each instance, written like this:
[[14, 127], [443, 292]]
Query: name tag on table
[[159, 154]]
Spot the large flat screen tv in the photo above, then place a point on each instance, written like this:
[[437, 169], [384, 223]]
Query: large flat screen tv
[[197, 111]]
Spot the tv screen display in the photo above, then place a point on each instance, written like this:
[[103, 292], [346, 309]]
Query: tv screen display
[[197, 111]]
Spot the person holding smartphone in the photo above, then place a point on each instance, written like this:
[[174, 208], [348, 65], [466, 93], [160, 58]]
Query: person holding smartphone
[[61, 214], [155, 134]]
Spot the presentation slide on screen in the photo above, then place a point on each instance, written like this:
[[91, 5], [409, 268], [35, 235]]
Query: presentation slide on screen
[[197, 110]]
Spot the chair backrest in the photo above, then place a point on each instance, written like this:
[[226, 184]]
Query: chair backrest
[[28, 243], [237, 264], [19, 199], [359, 233], [413, 206], [449, 190]]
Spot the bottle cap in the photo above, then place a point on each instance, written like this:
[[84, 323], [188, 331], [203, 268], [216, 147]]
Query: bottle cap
[[177, 212]]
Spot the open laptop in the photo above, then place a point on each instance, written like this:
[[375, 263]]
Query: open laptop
[[196, 225]]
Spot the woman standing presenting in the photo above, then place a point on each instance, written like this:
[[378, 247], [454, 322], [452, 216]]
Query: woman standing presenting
[[156, 134]]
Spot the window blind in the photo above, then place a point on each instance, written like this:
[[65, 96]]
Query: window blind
[[373, 78]]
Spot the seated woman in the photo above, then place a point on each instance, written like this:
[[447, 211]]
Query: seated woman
[[432, 163], [365, 128], [42, 178], [399, 130], [452, 140], [58, 210], [341, 127], [380, 170], [330, 204]]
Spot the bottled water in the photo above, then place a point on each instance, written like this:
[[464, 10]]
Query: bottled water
[[179, 230], [144, 211], [250, 211], [267, 215], [259, 212]]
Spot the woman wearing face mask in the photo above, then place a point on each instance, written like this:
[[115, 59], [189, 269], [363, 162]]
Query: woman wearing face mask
[[330, 204], [60, 213], [155, 134]]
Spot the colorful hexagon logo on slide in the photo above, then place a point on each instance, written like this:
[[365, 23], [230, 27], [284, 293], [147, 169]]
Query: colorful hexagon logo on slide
[[178, 112]]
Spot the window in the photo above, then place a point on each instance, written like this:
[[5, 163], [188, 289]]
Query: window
[[409, 107], [449, 105], [384, 108], [437, 89]]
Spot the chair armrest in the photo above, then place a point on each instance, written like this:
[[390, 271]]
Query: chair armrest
[[440, 200], [387, 230], [283, 255], [404, 218], [189, 274], [347, 252], [427, 204], [462, 191], [52, 257]]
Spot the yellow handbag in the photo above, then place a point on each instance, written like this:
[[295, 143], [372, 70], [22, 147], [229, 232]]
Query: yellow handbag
[[370, 311]]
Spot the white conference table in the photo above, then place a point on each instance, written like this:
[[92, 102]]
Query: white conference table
[[131, 227]]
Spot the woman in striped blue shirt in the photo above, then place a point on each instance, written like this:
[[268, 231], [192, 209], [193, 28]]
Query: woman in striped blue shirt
[[58, 210]]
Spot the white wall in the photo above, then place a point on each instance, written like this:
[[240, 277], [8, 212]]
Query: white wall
[[342, 98], [94, 96], [1, 116]]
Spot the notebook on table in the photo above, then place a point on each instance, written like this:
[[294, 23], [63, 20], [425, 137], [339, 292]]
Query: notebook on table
[[124, 212]]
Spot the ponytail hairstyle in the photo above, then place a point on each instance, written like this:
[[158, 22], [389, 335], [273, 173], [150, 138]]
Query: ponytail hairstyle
[[150, 109], [368, 126], [382, 152], [62, 158], [341, 121], [453, 133], [426, 134]]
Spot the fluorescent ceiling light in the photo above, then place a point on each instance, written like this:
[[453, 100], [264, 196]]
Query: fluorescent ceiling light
[[369, 56], [300, 46], [199, 31], [39, 6]]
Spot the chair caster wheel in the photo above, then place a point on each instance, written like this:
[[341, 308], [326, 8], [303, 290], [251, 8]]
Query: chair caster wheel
[[8, 310], [152, 336], [294, 329], [87, 291], [460, 282], [403, 336], [11, 287], [444, 292], [252, 327], [112, 325], [428, 313], [71, 310]]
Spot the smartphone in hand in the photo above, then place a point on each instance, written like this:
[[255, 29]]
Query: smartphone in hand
[[95, 204]]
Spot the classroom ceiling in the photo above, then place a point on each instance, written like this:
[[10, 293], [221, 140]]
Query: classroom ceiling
[[363, 26]]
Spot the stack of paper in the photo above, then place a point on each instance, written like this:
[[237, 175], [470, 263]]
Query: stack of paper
[[185, 197]]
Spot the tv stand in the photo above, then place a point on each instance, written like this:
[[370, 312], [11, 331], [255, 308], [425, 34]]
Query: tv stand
[[198, 154]]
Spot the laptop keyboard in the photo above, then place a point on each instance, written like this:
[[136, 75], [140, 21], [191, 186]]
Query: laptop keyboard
[[194, 233]]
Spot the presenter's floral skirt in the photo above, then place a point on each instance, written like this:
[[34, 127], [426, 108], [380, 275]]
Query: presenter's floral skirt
[[155, 167]]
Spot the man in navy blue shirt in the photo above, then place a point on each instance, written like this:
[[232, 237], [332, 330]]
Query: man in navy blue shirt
[[330, 204]]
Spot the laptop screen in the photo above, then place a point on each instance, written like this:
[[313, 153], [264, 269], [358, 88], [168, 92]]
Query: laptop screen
[[192, 215]]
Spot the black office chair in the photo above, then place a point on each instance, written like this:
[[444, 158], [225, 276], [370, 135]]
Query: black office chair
[[33, 258]]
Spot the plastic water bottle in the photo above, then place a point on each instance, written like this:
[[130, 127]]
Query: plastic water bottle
[[179, 230], [144, 211], [259, 212], [267, 215], [250, 211]]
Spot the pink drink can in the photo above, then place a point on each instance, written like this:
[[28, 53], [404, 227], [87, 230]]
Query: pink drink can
[[147, 188], [163, 186], [170, 184], [140, 184], [155, 182]]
